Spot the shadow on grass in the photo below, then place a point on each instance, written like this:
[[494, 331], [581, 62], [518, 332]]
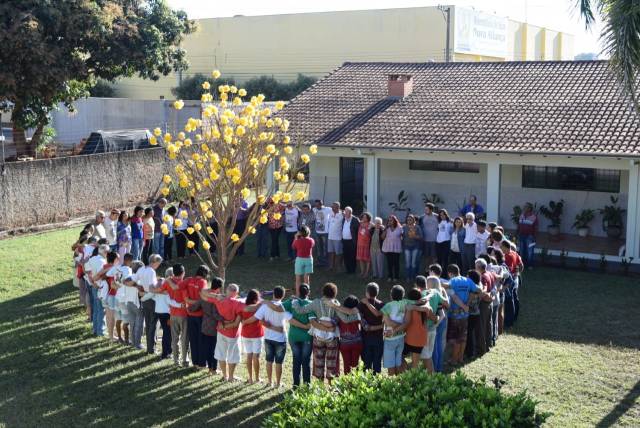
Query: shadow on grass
[[587, 308], [621, 408], [55, 373]]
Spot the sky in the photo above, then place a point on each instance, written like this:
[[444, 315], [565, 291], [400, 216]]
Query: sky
[[559, 15]]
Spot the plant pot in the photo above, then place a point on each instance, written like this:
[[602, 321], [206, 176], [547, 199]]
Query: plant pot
[[614, 231], [553, 230], [583, 232]]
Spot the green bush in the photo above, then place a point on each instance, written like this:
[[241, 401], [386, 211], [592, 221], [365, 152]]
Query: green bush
[[413, 399]]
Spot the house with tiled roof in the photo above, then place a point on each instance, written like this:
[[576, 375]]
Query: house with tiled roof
[[507, 132]]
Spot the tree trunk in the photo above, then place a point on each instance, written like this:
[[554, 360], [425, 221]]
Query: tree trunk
[[35, 140], [20, 141]]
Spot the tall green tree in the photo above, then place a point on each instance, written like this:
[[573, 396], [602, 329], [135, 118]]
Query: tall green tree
[[53, 52], [620, 34]]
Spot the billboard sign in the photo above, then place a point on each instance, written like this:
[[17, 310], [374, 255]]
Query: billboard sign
[[478, 33]]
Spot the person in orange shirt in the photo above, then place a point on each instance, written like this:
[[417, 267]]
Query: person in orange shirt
[[415, 319], [178, 313]]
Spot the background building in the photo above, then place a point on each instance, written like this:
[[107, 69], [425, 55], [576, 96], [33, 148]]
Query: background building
[[316, 43]]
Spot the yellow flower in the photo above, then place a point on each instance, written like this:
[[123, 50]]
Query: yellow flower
[[215, 74], [191, 244], [153, 141], [214, 175], [208, 214], [237, 101], [177, 222], [245, 193], [184, 214], [300, 176], [165, 191], [313, 149], [254, 162], [263, 219], [286, 139], [209, 230], [261, 199], [269, 123], [190, 230], [181, 135], [166, 218], [285, 125], [305, 158], [242, 92], [240, 130], [206, 245], [252, 230], [166, 179], [279, 105], [270, 148], [277, 175], [233, 89], [300, 195], [157, 132], [197, 227], [288, 150], [206, 182], [206, 85], [224, 96], [195, 157], [167, 138], [286, 197], [165, 230], [277, 216], [178, 104], [187, 142], [284, 179], [235, 237]]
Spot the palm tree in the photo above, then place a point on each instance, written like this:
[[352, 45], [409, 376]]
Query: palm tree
[[621, 36]]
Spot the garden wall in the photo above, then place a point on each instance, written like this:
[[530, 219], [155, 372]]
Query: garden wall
[[54, 190]]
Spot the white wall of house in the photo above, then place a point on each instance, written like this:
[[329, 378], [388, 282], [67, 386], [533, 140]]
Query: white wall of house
[[454, 187]]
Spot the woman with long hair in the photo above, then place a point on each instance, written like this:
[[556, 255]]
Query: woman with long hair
[[443, 239], [392, 247], [457, 241], [123, 234], [412, 238], [363, 247]]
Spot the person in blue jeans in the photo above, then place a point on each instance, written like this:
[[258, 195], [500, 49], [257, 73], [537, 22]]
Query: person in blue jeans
[[299, 339], [94, 269], [412, 238], [527, 227], [158, 237], [137, 234]]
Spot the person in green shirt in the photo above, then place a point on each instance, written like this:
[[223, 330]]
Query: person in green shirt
[[300, 340]]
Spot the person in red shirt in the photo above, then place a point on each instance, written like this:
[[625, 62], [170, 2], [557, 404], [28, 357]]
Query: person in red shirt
[[178, 313], [190, 289], [303, 246], [227, 347], [514, 263], [252, 333]]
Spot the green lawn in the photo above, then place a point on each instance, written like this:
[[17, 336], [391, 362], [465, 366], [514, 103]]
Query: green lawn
[[575, 349]]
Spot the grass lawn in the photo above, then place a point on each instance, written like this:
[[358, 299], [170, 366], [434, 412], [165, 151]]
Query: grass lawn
[[575, 349]]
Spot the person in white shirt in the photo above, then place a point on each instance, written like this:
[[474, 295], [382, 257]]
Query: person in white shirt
[[145, 279], [291, 215], [275, 339], [321, 232], [98, 227], [92, 268], [443, 238], [470, 235], [482, 237], [110, 225], [334, 246], [162, 304], [120, 273]]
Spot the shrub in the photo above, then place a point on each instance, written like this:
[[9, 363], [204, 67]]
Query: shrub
[[415, 398]]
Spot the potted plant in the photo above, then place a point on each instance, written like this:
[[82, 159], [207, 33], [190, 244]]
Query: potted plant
[[581, 223], [553, 213], [612, 218], [401, 203], [515, 215]]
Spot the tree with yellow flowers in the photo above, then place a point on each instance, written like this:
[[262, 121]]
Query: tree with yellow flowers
[[237, 150]]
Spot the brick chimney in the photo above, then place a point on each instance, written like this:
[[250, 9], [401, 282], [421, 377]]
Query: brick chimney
[[399, 85]]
